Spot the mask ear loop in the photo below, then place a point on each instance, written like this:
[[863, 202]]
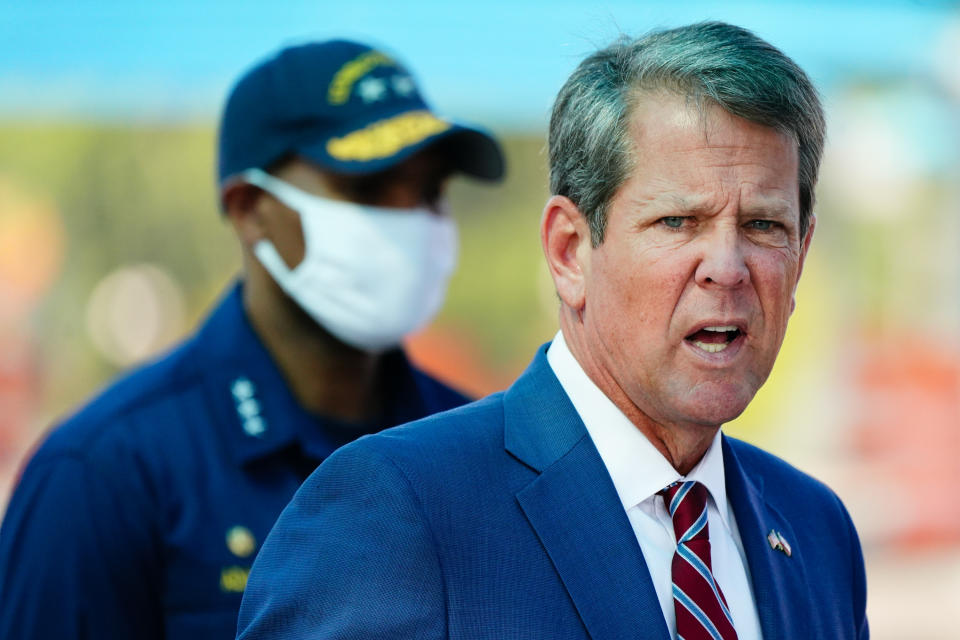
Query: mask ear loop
[[287, 194], [265, 251], [258, 178], [271, 260]]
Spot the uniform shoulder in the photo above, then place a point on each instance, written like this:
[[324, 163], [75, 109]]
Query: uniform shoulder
[[437, 393], [135, 392]]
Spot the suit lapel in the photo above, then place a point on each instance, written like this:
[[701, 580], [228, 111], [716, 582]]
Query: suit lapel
[[576, 513], [779, 581]]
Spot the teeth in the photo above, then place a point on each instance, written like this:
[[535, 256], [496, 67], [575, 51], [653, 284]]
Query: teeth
[[711, 348], [719, 329]]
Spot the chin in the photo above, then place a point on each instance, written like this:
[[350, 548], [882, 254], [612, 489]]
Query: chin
[[717, 404]]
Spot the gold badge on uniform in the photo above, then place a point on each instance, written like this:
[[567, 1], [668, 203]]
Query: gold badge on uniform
[[234, 579], [240, 541]]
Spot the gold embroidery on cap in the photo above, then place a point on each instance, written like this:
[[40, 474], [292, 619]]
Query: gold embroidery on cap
[[349, 73], [386, 137]]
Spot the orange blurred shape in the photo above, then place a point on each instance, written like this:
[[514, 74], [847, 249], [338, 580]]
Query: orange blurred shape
[[454, 359], [19, 389], [32, 240], [907, 427]]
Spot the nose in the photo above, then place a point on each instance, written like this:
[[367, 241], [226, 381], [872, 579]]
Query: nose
[[723, 263]]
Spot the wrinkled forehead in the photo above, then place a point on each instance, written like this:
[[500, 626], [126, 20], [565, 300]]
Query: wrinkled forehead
[[706, 135], [688, 107], [688, 158]]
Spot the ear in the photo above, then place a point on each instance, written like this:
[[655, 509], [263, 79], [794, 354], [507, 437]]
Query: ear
[[565, 237], [804, 249], [241, 206]]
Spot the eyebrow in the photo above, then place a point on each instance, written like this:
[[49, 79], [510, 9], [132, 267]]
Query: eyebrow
[[760, 206], [772, 208]]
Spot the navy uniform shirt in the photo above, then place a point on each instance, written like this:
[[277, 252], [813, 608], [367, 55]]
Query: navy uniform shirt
[[140, 516]]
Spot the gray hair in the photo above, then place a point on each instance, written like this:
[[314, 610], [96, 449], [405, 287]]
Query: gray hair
[[590, 143]]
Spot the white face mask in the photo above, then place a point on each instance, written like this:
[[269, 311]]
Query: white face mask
[[369, 275]]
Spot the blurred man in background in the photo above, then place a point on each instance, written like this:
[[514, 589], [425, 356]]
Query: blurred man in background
[[597, 497], [141, 515]]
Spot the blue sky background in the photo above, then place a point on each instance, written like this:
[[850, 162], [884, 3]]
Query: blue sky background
[[496, 61]]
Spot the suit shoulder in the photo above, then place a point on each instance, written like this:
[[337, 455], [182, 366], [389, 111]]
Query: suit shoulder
[[442, 439], [474, 420]]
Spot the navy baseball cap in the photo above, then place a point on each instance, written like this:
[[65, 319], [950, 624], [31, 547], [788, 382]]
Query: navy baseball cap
[[345, 106]]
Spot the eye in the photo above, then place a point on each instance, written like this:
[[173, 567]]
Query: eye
[[673, 222], [762, 225]]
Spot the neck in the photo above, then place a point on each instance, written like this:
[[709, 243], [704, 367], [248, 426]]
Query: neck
[[325, 375], [683, 445]]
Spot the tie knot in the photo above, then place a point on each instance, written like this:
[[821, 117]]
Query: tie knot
[[687, 505]]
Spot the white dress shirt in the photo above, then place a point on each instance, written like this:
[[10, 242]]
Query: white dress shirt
[[638, 472]]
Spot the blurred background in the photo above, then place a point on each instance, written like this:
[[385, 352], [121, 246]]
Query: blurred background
[[111, 245]]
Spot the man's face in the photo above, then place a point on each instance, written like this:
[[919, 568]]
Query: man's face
[[688, 296]]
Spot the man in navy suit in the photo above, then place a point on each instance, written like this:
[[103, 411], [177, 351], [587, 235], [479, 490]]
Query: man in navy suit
[[596, 497]]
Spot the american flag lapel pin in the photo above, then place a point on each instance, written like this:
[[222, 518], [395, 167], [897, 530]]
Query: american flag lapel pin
[[779, 543]]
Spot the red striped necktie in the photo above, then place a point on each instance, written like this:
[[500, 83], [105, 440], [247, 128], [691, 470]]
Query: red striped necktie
[[702, 612]]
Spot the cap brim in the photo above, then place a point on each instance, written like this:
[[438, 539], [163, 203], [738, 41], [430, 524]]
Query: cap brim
[[475, 152], [379, 145]]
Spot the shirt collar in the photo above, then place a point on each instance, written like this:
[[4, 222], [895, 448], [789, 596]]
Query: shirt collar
[[637, 468], [710, 473]]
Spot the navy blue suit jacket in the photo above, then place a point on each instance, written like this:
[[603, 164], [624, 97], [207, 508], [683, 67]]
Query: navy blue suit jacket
[[499, 520]]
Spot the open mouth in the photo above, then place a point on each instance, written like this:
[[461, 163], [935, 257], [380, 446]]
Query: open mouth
[[714, 339]]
